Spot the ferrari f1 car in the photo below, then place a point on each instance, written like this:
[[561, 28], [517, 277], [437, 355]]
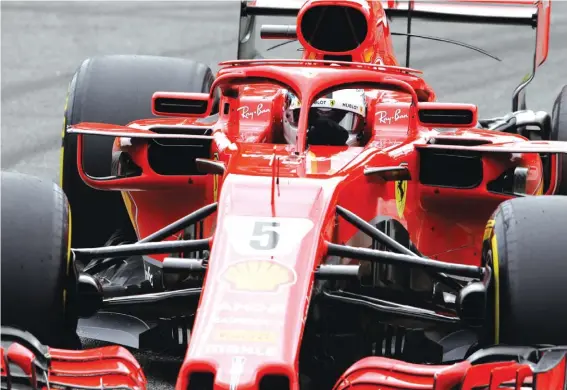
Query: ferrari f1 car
[[282, 234]]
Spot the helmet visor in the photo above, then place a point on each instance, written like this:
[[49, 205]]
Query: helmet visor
[[347, 119]]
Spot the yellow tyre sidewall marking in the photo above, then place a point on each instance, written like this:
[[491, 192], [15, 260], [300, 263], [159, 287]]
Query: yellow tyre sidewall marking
[[488, 230], [62, 154], [496, 270], [69, 217], [68, 268], [401, 190]]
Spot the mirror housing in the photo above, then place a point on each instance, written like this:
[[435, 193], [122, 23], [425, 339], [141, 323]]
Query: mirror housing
[[192, 105], [208, 166], [447, 114]]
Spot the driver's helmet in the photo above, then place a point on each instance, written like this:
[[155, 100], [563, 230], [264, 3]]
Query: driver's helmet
[[345, 107]]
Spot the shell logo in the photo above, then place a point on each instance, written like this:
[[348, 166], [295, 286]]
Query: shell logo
[[259, 276]]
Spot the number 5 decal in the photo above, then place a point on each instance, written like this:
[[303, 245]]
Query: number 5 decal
[[265, 235], [275, 236]]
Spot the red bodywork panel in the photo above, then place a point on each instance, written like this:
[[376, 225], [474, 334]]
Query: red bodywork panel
[[433, 215], [283, 198], [268, 187]]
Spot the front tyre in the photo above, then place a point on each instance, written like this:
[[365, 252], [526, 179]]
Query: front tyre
[[38, 275], [526, 247], [115, 89]]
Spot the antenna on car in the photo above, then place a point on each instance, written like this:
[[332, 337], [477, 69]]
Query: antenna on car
[[432, 38], [408, 34], [446, 40]]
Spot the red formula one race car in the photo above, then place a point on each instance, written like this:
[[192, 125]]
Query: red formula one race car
[[312, 223]]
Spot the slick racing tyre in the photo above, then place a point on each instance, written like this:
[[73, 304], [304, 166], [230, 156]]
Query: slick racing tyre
[[559, 133], [113, 89], [38, 277], [526, 248]]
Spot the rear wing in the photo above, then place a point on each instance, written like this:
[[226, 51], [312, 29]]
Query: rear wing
[[527, 13]]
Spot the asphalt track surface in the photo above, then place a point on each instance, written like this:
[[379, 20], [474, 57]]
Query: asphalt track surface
[[44, 42]]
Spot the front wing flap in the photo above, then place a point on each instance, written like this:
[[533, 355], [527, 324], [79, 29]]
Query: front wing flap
[[494, 371], [26, 362]]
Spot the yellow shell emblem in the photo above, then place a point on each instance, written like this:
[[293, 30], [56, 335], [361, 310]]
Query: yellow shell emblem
[[401, 196], [258, 276]]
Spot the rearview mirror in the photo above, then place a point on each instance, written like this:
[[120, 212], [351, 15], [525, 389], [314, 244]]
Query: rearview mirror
[[214, 167], [194, 105], [447, 114]]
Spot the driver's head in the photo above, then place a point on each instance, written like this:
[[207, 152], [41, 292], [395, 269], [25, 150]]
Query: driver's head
[[336, 119]]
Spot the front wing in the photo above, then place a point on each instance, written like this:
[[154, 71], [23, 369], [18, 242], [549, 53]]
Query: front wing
[[26, 363]]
